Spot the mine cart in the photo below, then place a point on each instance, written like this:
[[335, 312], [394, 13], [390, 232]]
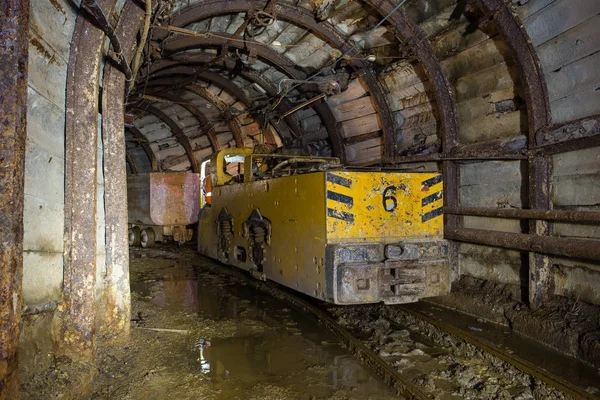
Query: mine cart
[[162, 205], [341, 235]]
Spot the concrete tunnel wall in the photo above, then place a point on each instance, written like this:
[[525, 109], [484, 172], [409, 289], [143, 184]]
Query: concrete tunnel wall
[[489, 105], [51, 31]]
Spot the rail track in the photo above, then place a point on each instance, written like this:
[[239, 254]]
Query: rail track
[[542, 383]]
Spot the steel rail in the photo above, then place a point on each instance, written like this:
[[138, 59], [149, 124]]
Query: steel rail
[[387, 372], [403, 385], [519, 363]]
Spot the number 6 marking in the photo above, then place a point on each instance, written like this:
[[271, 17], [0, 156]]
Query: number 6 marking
[[387, 197]]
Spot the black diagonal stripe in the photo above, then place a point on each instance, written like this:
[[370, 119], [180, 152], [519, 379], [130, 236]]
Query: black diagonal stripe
[[431, 198], [432, 181], [339, 180], [340, 197], [344, 216], [432, 214]]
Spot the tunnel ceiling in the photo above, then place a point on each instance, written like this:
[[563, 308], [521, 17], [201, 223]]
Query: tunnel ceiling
[[415, 76]]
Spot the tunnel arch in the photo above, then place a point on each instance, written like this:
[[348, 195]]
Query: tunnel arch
[[494, 95]]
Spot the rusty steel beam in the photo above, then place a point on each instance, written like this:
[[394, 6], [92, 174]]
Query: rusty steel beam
[[540, 270], [180, 44], [76, 338], [206, 127], [532, 77], [576, 216], [539, 118], [575, 135], [569, 145], [233, 122], [410, 33], [165, 64], [146, 147], [302, 17], [117, 296], [14, 42], [294, 71], [131, 163], [587, 249], [163, 70], [176, 131], [435, 157]]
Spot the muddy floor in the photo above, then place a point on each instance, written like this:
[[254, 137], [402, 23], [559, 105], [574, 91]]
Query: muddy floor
[[200, 335]]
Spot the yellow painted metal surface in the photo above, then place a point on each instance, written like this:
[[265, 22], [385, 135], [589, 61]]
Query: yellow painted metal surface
[[293, 204], [309, 212], [371, 206]]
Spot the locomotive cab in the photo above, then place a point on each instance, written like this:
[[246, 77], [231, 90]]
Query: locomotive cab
[[340, 235]]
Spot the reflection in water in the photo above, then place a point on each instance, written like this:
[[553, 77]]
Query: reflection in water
[[295, 343], [249, 358]]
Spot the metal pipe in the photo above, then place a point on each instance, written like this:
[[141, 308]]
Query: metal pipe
[[107, 28], [588, 249], [521, 213], [300, 106]]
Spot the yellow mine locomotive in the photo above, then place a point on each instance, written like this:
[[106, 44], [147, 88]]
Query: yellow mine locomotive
[[340, 235]]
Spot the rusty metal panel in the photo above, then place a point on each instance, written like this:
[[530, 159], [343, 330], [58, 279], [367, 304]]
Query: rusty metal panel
[[160, 198]]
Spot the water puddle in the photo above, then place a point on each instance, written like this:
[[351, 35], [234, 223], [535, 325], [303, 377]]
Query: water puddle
[[293, 352]]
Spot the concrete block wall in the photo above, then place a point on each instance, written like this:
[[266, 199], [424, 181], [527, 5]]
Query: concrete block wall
[[564, 34], [51, 28], [576, 185], [52, 25], [496, 184]]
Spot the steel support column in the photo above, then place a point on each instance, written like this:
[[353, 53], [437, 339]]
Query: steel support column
[[538, 116], [541, 285], [76, 338], [14, 42], [116, 282]]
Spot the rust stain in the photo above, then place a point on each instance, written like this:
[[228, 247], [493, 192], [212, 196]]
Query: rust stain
[[57, 5], [47, 55], [14, 15]]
